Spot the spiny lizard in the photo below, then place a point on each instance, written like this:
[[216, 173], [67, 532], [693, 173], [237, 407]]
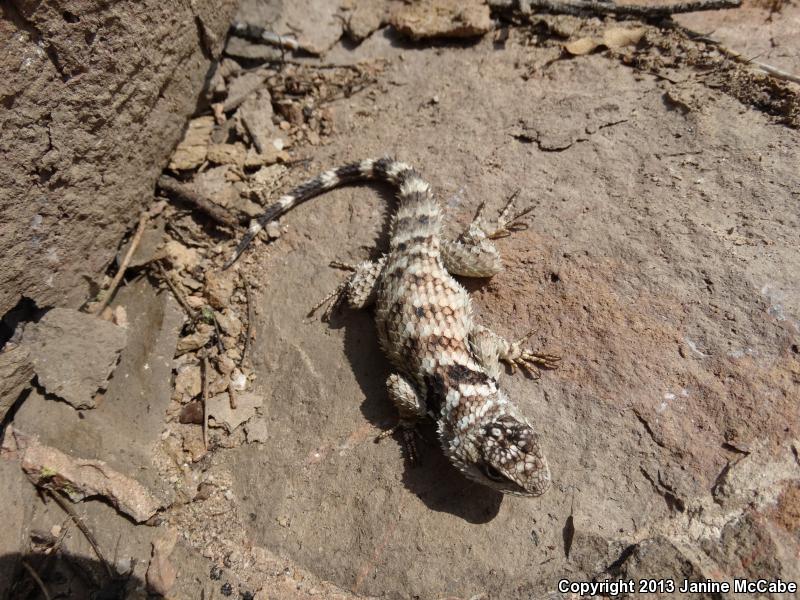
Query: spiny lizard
[[447, 366]]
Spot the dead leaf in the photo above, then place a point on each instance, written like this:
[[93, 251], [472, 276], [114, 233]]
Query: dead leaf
[[617, 37], [581, 46]]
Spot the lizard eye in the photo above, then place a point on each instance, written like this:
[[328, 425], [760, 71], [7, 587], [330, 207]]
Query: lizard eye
[[493, 473]]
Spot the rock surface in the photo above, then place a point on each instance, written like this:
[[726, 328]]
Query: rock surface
[[73, 354], [16, 371], [95, 97], [124, 429], [648, 265]]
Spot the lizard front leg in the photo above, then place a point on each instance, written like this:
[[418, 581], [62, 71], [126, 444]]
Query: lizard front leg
[[412, 409], [473, 254], [490, 349]]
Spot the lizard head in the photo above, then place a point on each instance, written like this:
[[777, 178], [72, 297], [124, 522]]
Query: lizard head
[[507, 457]]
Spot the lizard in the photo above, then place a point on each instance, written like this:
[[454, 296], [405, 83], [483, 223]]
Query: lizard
[[446, 365]]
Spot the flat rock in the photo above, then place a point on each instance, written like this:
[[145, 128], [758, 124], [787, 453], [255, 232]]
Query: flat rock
[[16, 372], [222, 415], [256, 431], [17, 498], [366, 17], [219, 287], [123, 429], [214, 184], [256, 115], [442, 19], [315, 23], [148, 248], [240, 87], [192, 150], [73, 354]]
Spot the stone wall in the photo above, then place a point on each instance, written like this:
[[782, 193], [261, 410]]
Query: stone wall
[[93, 97]]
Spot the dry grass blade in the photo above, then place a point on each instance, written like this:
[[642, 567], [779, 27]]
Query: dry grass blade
[[137, 237]]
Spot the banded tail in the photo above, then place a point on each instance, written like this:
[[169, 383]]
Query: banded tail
[[383, 169]]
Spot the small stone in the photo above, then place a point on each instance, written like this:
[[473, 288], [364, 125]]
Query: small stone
[[219, 287], [188, 380], [239, 380], [256, 114], [442, 19], [227, 154], [204, 492], [229, 323], [192, 413], [195, 301], [193, 444], [291, 111], [73, 354], [222, 415], [193, 341], [180, 256], [273, 230], [191, 152], [270, 156], [239, 88], [225, 365]]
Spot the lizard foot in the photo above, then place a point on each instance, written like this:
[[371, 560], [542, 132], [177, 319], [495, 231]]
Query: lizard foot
[[409, 434], [528, 360], [333, 301], [506, 225]]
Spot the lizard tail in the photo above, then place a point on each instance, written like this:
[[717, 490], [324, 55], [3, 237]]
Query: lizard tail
[[382, 169]]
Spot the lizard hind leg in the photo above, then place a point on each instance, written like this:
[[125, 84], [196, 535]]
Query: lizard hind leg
[[473, 254], [358, 288], [412, 409]]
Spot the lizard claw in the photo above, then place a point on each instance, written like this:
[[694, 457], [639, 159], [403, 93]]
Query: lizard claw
[[507, 225], [528, 360], [409, 439]]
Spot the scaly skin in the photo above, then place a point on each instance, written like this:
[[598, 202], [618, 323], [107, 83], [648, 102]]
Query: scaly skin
[[446, 366]]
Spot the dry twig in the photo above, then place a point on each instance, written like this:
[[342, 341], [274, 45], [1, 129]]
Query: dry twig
[[231, 394], [250, 313], [137, 237], [82, 526], [206, 374], [581, 7], [179, 296]]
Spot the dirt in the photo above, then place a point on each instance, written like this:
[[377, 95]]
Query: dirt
[[661, 261]]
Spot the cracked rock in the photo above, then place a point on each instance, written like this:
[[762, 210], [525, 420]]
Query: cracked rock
[[74, 354]]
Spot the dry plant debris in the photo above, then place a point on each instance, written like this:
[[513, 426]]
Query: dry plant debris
[[78, 478]]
